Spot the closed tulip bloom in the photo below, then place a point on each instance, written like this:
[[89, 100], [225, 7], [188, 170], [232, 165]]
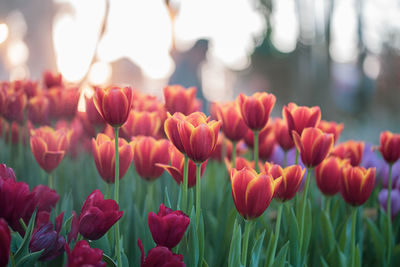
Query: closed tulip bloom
[[357, 184], [300, 117], [93, 115], [84, 256], [233, 125], [328, 175], [252, 192], [38, 110], [389, 146], [159, 256], [172, 131], [63, 102], [351, 150], [52, 79], [48, 147], [291, 180], [267, 146], [314, 145], [282, 136], [331, 127], [255, 109], [141, 123], [45, 198], [241, 163], [180, 99], [224, 148], [199, 136], [5, 242], [147, 153], [98, 215], [48, 239], [114, 104], [6, 172], [15, 105], [177, 165], [103, 149], [266, 131], [167, 227]]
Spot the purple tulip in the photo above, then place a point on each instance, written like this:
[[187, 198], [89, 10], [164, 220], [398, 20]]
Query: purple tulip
[[394, 200], [48, 239]]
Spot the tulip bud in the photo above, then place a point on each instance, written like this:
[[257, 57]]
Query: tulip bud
[[38, 110], [5, 242], [255, 109], [6, 172], [98, 215], [159, 256], [357, 184], [167, 226], [172, 131], [328, 175], [180, 99], [282, 135], [52, 79], [45, 198], [141, 123], [233, 125], [331, 127], [114, 104], [83, 255], [300, 117], [389, 146], [15, 106], [351, 150], [48, 239], [313, 145]]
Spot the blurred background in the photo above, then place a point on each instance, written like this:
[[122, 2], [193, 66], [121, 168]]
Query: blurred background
[[342, 55]]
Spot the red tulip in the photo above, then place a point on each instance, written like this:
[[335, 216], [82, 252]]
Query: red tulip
[[167, 226], [331, 127], [328, 175], [6, 172], [52, 79], [63, 102], [282, 135], [389, 146], [252, 192], [255, 109], [199, 136], [180, 99], [241, 163], [266, 131], [84, 256], [291, 180], [29, 87], [357, 184], [14, 106], [5, 242], [172, 131], [233, 125], [224, 146], [114, 104], [159, 256], [38, 110], [300, 117], [98, 215], [93, 115], [141, 123], [351, 150], [45, 198], [177, 164], [267, 146], [48, 146], [314, 145], [103, 149]]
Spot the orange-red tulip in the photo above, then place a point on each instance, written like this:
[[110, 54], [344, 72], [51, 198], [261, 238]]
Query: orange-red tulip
[[252, 192], [300, 117], [282, 136], [389, 146], [331, 127], [267, 146], [233, 125], [52, 79], [103, 149], [141, 123], [114, 104], [199, 136], [38, 110], [266, 131], [328, 175], [291, 180], [29, 87], [147, 153], [15, 105], [177, 165], [314, 145], [351, 150], [180, 99], [172, 131], [357, 184], [93, 115], [63, 102], [224, 146], [48, 147], [255, 109]]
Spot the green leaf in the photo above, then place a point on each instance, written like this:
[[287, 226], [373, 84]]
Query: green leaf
[[307, 230], [256, 250], [293, 236], [23, 249], [200, 235], [377, 239], [167, 201], [29, 259], [280, 259], [16, 241], [323, 262], [235, 249], [103, 244], [337, 257], [193, 240], [204, 263], [107, 259], [328, 235], [358, 257]]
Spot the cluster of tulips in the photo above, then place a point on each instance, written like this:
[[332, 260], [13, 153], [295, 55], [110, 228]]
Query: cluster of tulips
[[265, 159]]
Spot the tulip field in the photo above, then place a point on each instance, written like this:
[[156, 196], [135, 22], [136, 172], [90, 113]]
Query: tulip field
[[128, 179]]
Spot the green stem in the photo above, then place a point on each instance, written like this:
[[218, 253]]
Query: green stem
[[389, 216], [51, 181], [185, 183], [256, 133], [353, 236], [284, 159], [198, 193], [303, 208], [12, 259], [233, 154], [247, 228], [116, 196], [108, 191], [276, 236], [328, 204], [297, 157]]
